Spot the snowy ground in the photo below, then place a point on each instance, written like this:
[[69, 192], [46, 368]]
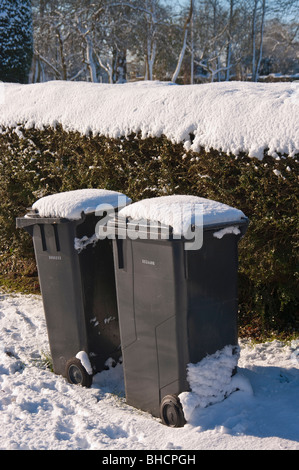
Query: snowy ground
[[39, 410]]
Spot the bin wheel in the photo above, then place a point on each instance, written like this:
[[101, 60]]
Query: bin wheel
[[77, 374], [171, 412]]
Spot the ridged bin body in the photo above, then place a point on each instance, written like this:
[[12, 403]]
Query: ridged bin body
[[78, 290], [175, 307]]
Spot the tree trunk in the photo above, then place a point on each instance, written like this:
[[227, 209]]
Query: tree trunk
[[229, 44], [254, 40], [257, 70], [181, 56], [119, 73]]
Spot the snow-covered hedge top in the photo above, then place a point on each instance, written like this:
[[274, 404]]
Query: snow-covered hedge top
[[229, 116], [180, 211], [71, 204]]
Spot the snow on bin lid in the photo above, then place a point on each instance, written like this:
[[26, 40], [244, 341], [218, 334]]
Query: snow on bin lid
[[175, 211], [71, 204]]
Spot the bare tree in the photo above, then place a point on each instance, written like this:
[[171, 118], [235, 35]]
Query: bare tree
[[56, 48], [115, 40], [229, 39], [186, 28], [258, 22], [150, 28]]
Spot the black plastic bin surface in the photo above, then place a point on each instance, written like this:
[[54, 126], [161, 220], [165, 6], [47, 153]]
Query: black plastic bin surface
[[78, 291], [175, 307]]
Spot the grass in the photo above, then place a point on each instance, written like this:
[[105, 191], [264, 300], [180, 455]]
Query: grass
[[23, 285]]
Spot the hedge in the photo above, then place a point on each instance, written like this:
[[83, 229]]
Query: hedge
[[34, 163]]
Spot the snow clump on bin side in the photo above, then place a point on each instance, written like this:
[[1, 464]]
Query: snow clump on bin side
[[211, 380]]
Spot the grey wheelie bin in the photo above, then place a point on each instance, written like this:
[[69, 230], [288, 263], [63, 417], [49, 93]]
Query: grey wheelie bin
[[177, 300], [77, 281]]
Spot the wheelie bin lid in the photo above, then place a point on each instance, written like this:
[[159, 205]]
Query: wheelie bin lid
[[175, 214], [72, 205]]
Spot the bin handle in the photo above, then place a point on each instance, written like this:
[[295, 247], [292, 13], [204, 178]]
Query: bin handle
[[120, 253]]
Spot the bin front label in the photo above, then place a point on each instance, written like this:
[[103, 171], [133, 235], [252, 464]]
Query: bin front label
[[147, 261]]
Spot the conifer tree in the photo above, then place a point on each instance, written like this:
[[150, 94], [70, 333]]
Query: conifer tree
[[16, 40]]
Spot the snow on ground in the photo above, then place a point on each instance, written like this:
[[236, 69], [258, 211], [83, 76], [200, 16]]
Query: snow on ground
[[40, 410], [232, 116]]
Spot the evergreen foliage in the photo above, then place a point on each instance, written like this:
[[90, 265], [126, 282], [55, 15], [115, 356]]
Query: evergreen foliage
[[34, 163], [16, 40]]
